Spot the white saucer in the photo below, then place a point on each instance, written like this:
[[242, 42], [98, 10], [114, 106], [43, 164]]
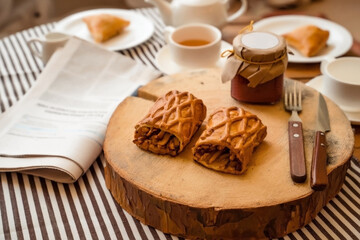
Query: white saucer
[[166, 65], [317, 84]]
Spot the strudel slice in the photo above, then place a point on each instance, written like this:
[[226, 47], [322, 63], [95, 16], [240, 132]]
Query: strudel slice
[[229, 140], [170, 123]]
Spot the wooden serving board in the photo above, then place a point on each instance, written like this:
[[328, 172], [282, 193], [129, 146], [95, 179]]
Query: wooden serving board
[[180, 197]]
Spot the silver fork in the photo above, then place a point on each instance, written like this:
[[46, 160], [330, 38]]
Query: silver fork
[[292, 102]]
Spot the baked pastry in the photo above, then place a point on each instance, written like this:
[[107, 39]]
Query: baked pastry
[[309, 40], [105, 26], [170, 123], [229, 140]]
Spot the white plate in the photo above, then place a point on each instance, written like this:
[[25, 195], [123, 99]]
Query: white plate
[[139, 30], [317, 84], [339, 42], [166, 65]]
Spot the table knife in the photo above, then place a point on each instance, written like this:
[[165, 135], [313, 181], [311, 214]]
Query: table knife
[[319, 179]]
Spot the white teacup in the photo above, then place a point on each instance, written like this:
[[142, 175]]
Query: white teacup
[[194, 45], [49, 44], [342, 82]]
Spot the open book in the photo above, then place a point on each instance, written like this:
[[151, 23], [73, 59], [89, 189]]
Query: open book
[[57, 130]]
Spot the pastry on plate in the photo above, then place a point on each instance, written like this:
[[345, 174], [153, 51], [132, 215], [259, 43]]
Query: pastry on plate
[[309, 40], [102, 27], [170, 123], [229, 140]]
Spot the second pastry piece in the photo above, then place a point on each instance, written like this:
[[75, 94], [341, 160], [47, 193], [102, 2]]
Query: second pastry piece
[[229, 140], [170, 123]]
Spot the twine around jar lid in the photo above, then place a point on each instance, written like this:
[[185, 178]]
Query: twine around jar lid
[[256, 56]]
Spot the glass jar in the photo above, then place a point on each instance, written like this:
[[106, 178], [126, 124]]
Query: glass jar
[[256, 67]]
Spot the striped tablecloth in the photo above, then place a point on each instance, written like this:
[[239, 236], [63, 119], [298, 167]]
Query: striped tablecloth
[[35, 208]]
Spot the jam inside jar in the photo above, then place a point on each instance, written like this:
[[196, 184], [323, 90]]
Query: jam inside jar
[[269, 92]]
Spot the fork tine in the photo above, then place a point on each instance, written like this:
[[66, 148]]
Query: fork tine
[[286, 97], [291, 93], [300, 97], [296, 94]]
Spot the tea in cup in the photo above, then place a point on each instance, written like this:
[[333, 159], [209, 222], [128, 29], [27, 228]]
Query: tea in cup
[[194, 45], [342, 82], [49, 44]]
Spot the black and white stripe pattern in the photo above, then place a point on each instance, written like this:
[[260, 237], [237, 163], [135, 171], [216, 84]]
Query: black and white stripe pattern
[[35, 208]]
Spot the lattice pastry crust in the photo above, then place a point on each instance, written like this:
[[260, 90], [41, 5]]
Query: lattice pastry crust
[[170, 123], [229, 140]]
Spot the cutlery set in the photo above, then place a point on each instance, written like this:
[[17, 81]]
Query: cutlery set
[[292, 103]]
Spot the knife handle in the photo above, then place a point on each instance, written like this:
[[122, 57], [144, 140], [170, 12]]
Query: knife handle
[[319, 178], [296, 150]]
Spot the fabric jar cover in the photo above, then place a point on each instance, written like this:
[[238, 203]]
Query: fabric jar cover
[[257, 56]]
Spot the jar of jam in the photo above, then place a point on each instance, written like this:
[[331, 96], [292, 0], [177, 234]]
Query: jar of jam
[[256, 67]]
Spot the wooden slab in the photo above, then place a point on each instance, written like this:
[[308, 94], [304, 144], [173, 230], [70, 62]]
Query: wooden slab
[[180, 197]]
